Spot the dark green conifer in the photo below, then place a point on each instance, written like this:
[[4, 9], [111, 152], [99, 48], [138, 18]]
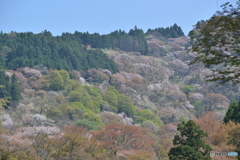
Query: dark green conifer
[[189, 145], [15, 89], [233, 113]]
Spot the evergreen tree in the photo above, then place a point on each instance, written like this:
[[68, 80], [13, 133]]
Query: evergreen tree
[[5, 82], [15, 89], [233, 112], [188, 145], [2, 61]]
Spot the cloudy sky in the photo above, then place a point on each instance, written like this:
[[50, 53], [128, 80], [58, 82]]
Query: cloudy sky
[[102, 16]]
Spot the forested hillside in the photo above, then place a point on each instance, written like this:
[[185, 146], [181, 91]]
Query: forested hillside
[[28, 49], [114, 96]]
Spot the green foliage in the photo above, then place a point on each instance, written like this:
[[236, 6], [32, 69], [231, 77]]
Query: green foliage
[[65, 75], [75, 96], [198, 107], [90, 125], [3, 101], [188, 88], [169, 32], [5, 82], [56, 81], [125, 105], [145, 115], [2, 61], [72, 85], [118, 102], [181, 119], [91, 116], [73, 110], [93, 91], [139, 120], [134, 41], [90, 120], [81, 95], [189, 145], [54, 113], [216, 42], [94, 75], [10, 89], [111, 96], [233, 112], [15, 89], [61, 52]]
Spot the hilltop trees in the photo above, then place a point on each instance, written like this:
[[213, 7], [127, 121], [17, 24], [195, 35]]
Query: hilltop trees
[[189, 144], [133, 41], [28, 49], [169, 32]]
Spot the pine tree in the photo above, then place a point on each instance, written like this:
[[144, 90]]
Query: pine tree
[[233, 112], [15, 89], [189, 144], [4, 81]]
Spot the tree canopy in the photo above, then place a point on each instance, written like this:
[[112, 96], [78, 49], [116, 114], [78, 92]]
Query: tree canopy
[[62, 52], [189, 144], [216, 42], [233, 112]]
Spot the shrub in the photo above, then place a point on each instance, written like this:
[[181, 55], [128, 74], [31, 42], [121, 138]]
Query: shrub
[[90, 125]]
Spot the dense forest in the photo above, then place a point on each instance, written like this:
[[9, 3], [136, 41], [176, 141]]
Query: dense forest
[[70, 52], [124, 96], [174, 31], [28, 49], [133, 41]]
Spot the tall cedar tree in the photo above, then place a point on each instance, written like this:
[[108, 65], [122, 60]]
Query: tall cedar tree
[[15, 89], [233, 112], [189, 144], [5, 83]]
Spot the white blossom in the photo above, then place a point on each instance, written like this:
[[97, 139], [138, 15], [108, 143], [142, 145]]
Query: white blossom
[[82, 80], [34, 131], [6, 120], [39, 117]]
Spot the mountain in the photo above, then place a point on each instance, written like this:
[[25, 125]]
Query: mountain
[[136, 85]]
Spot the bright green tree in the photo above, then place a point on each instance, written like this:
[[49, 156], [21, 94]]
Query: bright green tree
[[65, 75], [233, 112], [125, 105], [90, 120], [189, 145], [111, 96], [145, 115], [56, 81], [187, 89]]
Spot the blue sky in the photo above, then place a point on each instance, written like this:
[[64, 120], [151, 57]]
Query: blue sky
[[102, 16]]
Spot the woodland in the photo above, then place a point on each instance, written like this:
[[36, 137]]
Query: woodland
[[122, 96]]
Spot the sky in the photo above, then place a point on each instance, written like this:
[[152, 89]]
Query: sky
[[102, 16]]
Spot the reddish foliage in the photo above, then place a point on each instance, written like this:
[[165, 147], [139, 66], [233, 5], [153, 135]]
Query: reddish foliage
[[217, 131], [75, 74], [117, 137]]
